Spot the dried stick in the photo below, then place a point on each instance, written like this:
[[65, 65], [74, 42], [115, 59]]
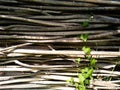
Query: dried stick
[[57, 2], [56, 33], [39, 22], [61, 8], [108, 2], [64, 52], [21, 37], [106, 34]]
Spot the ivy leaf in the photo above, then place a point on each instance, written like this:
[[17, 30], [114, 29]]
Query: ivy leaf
[[86, 50], [71, 80], [78, 60], [81, 79], [68, 81], [85, 70], [84, 37], [89, 73], [82, 87], [93, 62], [85, 24], [76, 85], [87, 81]]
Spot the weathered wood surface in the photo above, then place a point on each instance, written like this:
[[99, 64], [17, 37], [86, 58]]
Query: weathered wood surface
[[39, 42]]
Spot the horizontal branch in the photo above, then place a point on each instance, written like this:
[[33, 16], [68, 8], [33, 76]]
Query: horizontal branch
[[64, 52], [108, 2], [57, 2], [39, 22]]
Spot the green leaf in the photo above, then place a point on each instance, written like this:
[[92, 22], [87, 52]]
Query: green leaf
[[68, 81], [76, 85], [87, 82], [84, 37], [86, 50], [81, 79], [85, 70], [85, 24], [89, 73], [93, 62], [82, 87], [71, 80], [89, 57], [78, 60]]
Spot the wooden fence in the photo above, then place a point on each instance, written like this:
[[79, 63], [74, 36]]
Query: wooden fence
[[40, 41]]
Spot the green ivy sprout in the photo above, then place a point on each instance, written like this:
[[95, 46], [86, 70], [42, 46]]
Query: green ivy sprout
[[78, 60], [84, 37], [85, 24], [71, 80], [86, 50], [93, 62], [85, 74], [81, 82]]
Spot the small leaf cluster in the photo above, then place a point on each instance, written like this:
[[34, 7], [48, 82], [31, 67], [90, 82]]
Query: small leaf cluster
[[85, 75], [86, 23]]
